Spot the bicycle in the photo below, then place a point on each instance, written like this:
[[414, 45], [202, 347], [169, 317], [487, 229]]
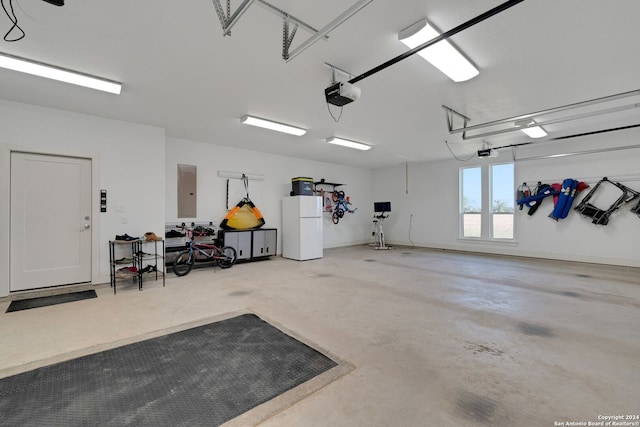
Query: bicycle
[[224, 257], [342, 206]]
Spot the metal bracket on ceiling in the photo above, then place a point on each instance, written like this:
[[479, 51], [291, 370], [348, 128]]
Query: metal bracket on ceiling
[[287, 19], [284, 15], [451, 113], [335, 69], [228, 20], [529, 120], [286, 37], [329, 27]]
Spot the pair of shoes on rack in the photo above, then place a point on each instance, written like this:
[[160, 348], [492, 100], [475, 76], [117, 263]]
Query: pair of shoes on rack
[[152, 236], [126, 237], [128, 270], [148, 269], [174, 233], [204, 231], [124, 260]]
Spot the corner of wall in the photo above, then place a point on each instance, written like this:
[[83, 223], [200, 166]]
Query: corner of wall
[[4, 219]]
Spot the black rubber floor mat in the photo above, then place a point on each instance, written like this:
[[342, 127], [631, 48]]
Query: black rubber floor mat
[[202, 376], [25, 304]]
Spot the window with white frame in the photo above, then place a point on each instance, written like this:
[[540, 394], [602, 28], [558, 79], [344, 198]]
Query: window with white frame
[[471, 202], [487, 202], [502, 201]]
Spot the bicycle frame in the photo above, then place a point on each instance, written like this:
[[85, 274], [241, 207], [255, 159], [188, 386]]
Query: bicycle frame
[[198, 248], [341, 207], [224, 257]]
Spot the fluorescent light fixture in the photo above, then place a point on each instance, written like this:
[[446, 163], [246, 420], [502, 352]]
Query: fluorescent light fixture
[[268, 124], [441, 55], [348, 143], [535, 132], [57, 73], [531, 131]]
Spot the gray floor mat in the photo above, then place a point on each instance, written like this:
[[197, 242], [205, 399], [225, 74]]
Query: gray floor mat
[[26, 304], [202, 376]]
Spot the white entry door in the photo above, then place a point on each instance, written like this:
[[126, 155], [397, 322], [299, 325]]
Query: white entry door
[[50, 221]]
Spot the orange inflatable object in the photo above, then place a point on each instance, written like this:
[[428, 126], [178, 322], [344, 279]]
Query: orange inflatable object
[[245, 215]]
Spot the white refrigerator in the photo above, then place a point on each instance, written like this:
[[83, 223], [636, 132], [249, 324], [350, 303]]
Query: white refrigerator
[[302, 227]]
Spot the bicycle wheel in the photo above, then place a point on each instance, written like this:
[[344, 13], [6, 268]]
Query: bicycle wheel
[[183, 263], [228, 257]]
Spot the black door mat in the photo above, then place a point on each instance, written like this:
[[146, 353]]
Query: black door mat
[[202, 376], [25, 304]]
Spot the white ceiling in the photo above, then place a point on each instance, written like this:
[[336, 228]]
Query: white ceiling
[[180, 73]]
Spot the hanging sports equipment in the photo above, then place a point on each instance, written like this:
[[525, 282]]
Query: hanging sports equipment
[[601, 216], [570, 187], [245, 215], [544, 189], [636, 209], [523, 191], [541, 191], [341, 207]]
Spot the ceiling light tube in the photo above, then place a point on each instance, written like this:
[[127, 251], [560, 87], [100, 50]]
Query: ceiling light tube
[[40, 69], [271, 125], [348, 143], [441, 55]]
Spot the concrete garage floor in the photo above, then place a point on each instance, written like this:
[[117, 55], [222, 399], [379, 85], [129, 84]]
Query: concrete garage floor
[[435, 338]]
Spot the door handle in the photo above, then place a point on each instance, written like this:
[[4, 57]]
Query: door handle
[[87, 226]]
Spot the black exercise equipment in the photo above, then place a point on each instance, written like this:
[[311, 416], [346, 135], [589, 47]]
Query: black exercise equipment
[[601, 216]]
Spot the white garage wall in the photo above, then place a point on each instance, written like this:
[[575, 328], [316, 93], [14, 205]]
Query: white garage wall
[[428, 214], [129, 158], [267, 195], [137, 165]]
